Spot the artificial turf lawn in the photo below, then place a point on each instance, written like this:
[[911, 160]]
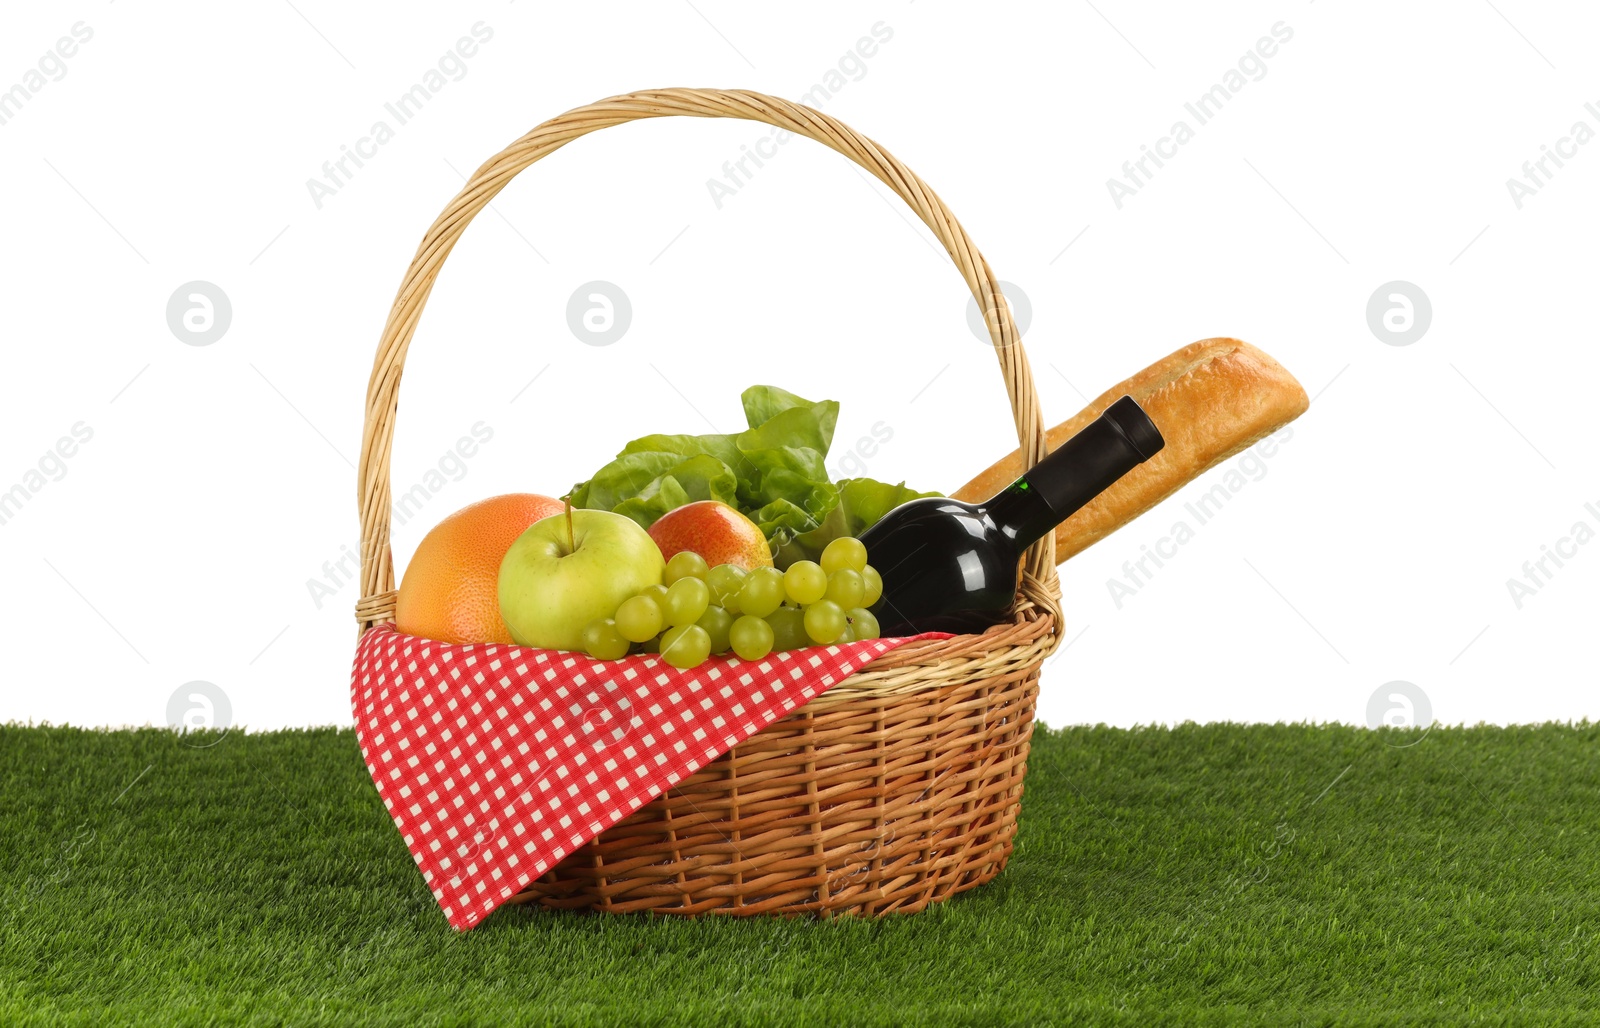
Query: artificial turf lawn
[[1201, 874]]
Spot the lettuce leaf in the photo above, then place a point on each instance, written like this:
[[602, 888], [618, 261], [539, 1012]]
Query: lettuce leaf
[[774, 472], [700, 477], [862, 503], [762, 403]]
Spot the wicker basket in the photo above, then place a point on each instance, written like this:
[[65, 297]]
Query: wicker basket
[[896, 788]]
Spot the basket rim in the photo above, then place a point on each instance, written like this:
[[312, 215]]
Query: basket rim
[[927, 664]]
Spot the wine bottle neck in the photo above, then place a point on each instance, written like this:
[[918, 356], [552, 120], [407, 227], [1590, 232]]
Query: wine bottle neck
[[1076, 472], [1021, 514]]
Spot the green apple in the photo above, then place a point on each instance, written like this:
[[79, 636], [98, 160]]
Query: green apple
[[557, 577]]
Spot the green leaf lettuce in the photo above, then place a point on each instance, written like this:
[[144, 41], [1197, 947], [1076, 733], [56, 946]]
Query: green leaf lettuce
[[774, 472]]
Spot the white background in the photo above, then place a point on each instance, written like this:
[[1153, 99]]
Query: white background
[[219, 479]]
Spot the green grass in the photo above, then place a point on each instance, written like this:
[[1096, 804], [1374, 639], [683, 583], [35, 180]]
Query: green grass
[[1199, 875]]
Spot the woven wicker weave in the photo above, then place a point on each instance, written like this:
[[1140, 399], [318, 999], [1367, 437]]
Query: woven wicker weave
[[897, 787]]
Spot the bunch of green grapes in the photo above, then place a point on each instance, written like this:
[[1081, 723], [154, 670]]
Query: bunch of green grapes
[[700, 610]]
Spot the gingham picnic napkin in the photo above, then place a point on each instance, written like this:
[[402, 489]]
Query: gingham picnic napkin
[[497, 761]]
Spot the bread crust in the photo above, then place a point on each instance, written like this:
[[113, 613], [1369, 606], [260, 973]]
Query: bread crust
[[1210, 400]]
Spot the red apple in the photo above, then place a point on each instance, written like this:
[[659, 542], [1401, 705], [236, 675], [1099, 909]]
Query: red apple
[[715, 531]]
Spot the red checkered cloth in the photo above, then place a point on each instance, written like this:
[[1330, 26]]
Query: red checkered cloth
[[497, 761]]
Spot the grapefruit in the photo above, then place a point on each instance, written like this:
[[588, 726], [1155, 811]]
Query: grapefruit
[[450, 591], [715, 531]]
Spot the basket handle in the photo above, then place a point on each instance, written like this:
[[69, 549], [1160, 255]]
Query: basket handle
[[377, 438]]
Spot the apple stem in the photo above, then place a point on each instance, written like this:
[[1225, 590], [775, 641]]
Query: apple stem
[[572, 539]]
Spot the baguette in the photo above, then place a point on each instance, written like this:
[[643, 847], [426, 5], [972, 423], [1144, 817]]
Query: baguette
[[1210, 400]]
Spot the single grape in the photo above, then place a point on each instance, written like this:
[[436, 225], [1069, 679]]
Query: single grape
[[717, 622], [687, 599], [805, 582], [657, 592], [751, 637], [725, 581], [844, 552], [685, 564], [847, 588], [762, 592], [874, 583], [864, 623], [650, 645], [639, 618], [788, 629], [848, 635], [685, 646], [824, 622], [602, 641]]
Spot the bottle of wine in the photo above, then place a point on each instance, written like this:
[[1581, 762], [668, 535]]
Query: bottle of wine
[[949, 566]]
